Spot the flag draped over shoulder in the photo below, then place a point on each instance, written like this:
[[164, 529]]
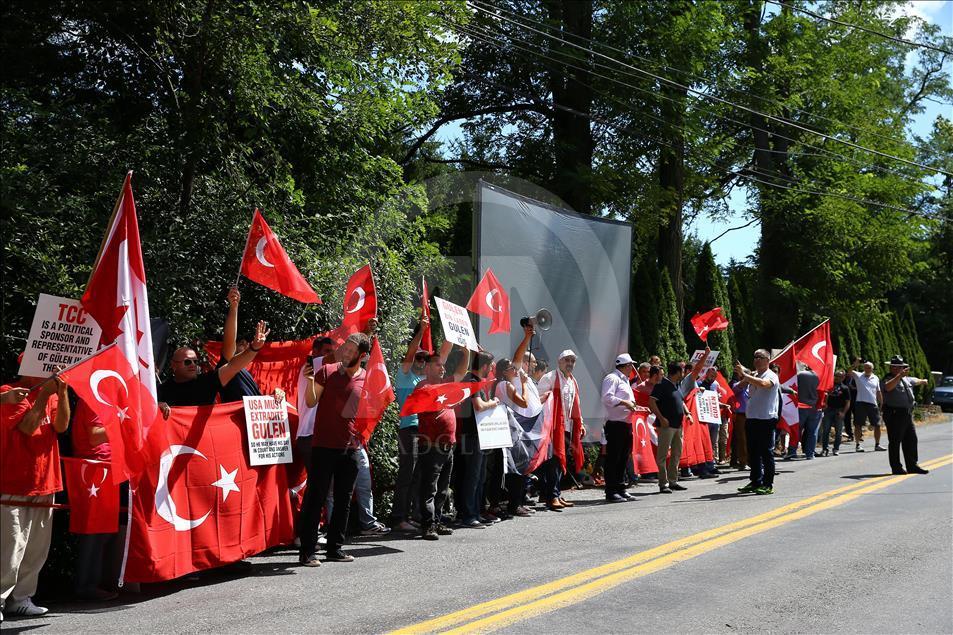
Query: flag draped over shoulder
[[199, 504]]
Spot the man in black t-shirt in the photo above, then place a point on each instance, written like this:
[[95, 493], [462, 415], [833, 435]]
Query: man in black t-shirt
[[188, 387], [469, 458], [838, 405]]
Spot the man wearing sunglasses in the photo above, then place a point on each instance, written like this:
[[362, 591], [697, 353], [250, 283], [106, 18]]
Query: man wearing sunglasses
[[189, 387], [762, 417]]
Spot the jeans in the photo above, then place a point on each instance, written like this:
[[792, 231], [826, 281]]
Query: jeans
[[668, 439], [549, 474], [808, 418], [900, 432], [471, 472], [709, 466], [327, 465], [832, 418], [436, 465], [760, 437], [618, 451], [362, 490], [407, 475]]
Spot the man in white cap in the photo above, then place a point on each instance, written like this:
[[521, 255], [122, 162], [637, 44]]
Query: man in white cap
[[573, 429], [619, 402]]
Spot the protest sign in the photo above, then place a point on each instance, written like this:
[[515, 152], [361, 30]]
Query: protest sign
[[269, 435], [493, 428], [708, 409], [62, 334], [709, 363], [457, 327]]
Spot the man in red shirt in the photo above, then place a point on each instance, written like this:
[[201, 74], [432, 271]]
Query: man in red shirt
[[436, 434], [28, 480], [336, 391]]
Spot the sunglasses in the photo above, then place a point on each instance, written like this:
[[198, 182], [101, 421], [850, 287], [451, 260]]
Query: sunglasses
[[189, 362], [760, 357]]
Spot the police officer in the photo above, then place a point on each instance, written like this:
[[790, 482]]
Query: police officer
[[898, 416]]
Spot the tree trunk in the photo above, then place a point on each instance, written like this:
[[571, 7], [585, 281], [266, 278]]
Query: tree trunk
[[192, 81], [572, 134]]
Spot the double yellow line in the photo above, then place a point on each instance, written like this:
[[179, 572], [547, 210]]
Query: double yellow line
[[572, 589]]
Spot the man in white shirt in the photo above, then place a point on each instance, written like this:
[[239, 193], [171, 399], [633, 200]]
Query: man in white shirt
[[322, 349], [762, 418], [619, 402], [867, 406], [569, 393]]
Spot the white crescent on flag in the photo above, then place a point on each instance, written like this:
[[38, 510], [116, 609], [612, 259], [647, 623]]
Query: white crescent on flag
[[260, 252], [361, 296], [98, 376], [816, 348], [489, 300], [165, 506]]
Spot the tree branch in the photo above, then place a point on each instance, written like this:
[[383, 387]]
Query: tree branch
[[731, 229], [442, 121]]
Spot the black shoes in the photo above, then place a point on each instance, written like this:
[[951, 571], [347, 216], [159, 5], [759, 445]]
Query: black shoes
[[339, 556], [916, 469], [615, 498], [677, 487], [898, 471]]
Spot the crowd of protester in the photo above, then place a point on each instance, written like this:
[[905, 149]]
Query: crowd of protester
[[445, 481]]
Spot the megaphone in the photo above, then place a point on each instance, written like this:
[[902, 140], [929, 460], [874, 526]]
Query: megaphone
[[543, 320]]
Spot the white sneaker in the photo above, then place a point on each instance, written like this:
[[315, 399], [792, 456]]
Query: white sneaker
[[25, 608]]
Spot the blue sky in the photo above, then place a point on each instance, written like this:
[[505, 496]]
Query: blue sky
[[739, 244]]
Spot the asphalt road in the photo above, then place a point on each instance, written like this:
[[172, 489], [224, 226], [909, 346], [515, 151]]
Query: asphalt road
[[840, 547]]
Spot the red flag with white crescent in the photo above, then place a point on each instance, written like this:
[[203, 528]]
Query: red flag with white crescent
[[643, 452], [93, 497], [489, 299], [266, 262], [378, 394], [436, 397], [117, 298], [788, 418], [360, 302], [199, 504], [705, 323], [814, 349]]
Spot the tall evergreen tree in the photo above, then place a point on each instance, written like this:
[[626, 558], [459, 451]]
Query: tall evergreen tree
[[671, 345], [710, 291]]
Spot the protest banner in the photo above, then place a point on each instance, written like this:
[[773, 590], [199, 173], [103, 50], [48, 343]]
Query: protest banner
[[493, 428], [708, 408], [697, 355], [62, 334], [457, 327], [269, 434]]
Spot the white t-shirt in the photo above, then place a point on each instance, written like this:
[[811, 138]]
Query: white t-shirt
[[867, 387], [306, 414], [763, 402], [531, 397]]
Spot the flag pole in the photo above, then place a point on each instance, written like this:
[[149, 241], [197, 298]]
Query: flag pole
[[109, 225], [238, 278], [125, 549], [71, 366]]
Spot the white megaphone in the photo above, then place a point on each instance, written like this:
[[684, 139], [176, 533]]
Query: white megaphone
[[543, 320]]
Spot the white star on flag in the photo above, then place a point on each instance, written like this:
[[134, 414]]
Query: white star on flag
[[642, 441], [122, 413], [441, 399], [93, 491], [226, 482]]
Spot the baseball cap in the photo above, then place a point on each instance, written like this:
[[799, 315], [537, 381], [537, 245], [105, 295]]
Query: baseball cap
[[566, 353], [623, 359]]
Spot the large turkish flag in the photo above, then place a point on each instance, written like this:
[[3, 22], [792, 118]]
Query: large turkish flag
[[199, 504]]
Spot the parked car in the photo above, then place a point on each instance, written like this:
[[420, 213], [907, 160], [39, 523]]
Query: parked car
[[943, 393]]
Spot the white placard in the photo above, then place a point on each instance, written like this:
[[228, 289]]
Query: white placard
[[62, 334], [269, 434], [707, 403], [709, 363], [457, 327], [493, 427]]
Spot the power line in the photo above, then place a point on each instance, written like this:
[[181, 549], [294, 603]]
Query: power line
[[865, 29], [739, 174], [489, 38], [702, 94], [765, 100]]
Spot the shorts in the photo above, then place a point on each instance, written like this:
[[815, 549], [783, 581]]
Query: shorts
[[866, 413]]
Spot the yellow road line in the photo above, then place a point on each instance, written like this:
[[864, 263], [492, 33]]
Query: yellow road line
[[570, 589]]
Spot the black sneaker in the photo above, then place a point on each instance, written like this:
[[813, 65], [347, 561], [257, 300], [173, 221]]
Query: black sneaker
[[750, 487], [339, 556], [898, 471], [443, 530], [677, 487], [916, 469], [879, 448], [430, 533], [664, 490]]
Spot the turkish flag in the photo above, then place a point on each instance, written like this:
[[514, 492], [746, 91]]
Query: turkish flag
[[726, 396], [199, 504], [266, 262], [378, 394], [814, 349], [108, 386], [705, 323], [643, 439], [490, 300], [788, 417], [435, 397], [117, 299], [696, 442], [426, 342], [93, 497], [360, 301]]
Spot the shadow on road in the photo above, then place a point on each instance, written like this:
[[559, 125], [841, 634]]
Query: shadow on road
[[858, 477]]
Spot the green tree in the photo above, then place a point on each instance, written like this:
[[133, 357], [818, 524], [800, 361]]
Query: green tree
[[710, 291], [671, 344]]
